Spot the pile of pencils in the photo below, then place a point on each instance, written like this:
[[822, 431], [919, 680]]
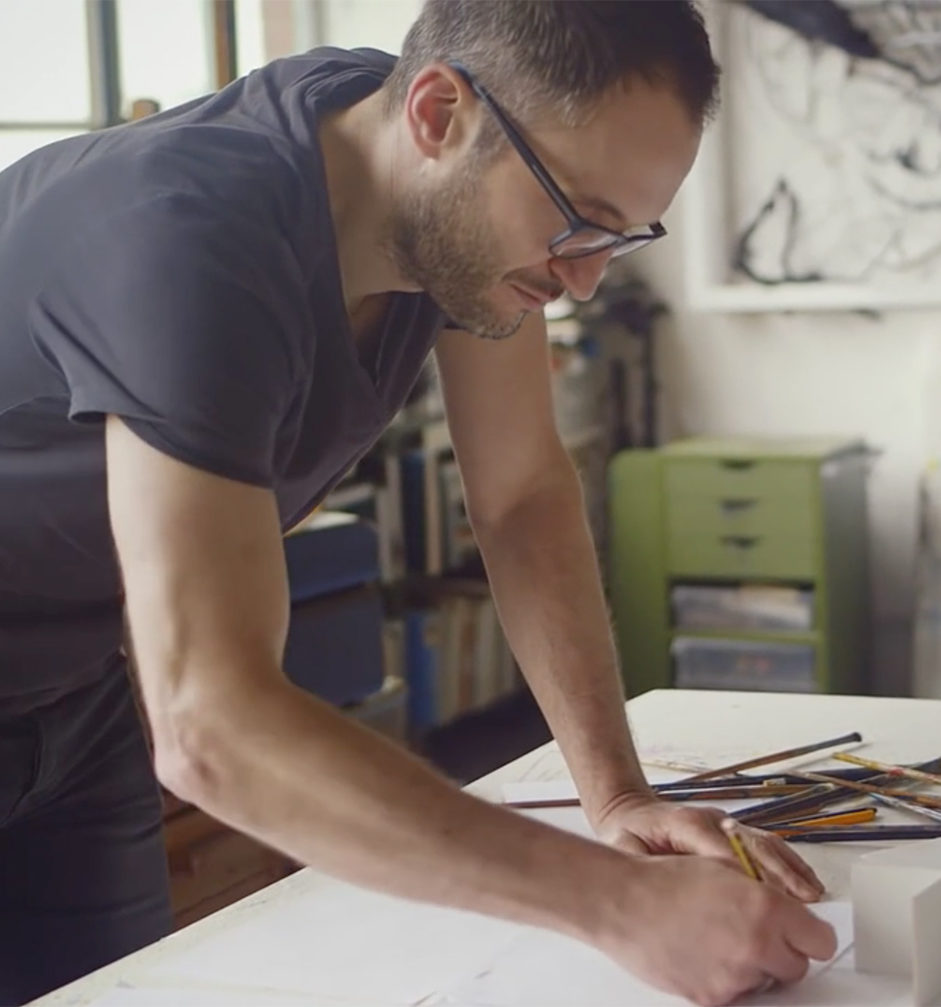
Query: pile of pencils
[[802, 806]]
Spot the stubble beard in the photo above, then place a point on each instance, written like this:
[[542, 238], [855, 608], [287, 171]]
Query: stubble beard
[[444, 244]]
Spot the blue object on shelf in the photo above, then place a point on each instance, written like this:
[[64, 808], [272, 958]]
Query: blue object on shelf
[[331, 557], [421, 668], [334, 643]]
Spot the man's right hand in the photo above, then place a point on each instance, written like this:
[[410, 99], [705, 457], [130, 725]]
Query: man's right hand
[[698, 927]]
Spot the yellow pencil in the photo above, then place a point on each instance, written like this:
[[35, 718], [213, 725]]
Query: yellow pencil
[[856, 817], [735, 841]]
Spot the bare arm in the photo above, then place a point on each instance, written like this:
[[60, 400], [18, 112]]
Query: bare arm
[[207, 607], [525, 503], [526, 506]]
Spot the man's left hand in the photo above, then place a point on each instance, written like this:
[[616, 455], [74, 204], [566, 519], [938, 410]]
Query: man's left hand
[[639, 823]]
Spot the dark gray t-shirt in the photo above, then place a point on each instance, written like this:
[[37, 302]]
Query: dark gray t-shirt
[[180, 272]]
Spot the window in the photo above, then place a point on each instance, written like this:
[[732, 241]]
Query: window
[[68, 66]]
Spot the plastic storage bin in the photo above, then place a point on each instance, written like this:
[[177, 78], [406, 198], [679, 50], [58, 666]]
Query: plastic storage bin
[[752, 606], [745, 665]]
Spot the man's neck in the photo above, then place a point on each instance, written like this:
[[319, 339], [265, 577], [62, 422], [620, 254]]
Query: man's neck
[[359, 158]]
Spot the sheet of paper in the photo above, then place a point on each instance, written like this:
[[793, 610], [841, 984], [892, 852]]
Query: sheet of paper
[[403, 951], [539, 790], [542, 969], [195, 996], [562, 786]]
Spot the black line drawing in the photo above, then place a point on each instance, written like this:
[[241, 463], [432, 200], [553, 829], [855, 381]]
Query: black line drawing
[[836, 108]]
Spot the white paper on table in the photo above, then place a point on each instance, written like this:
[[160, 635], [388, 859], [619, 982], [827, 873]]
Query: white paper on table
[[562, 788], [544, 969], [539, 790], [193, 996], [403, 951]]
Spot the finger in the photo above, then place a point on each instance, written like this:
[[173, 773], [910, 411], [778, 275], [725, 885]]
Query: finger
[[781, 866], [799, 865], [809, 935], [784, 964]]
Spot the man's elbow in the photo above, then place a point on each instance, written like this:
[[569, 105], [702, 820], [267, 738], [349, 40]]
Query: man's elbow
[[190, 758], [553, 489]]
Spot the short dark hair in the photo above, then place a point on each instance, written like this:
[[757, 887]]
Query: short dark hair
[[564, 54]]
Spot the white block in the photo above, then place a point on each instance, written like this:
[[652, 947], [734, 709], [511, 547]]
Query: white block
[[897, 915]]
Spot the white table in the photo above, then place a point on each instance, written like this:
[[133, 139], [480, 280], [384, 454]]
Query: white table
[[312, 940]]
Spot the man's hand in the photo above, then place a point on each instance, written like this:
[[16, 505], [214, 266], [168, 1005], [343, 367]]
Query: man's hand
[[697, 927], [638, 823]]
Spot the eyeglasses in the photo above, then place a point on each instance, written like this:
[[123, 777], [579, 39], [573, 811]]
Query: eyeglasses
[[582, 237]]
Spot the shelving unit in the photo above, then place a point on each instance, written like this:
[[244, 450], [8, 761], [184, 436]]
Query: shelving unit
[[719, 514]]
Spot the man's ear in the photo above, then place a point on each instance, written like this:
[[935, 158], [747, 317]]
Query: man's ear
[[441, 113]]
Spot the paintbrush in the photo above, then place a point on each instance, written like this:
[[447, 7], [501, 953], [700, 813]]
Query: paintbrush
[[862, 833], [902, 805], [790, 753], [811, 800], [749, 780], [816, 798], [870, 788], [733, 793], [678, 796], [888, 769]]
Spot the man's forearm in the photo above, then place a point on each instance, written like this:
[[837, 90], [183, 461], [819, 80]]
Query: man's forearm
[[285, 768], [544, 574]]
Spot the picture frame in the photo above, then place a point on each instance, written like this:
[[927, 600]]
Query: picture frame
[[818, 187]]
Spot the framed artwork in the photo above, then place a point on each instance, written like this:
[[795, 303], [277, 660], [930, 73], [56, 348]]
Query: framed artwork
[[819, 186]]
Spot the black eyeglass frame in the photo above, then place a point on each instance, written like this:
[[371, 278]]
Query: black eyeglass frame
[[619, 243]]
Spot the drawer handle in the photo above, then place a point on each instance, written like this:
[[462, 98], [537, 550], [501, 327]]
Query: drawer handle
[[738, 464], [740, 541], [736, 506]]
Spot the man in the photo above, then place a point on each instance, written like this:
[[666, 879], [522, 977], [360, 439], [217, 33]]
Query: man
[[205, 318]]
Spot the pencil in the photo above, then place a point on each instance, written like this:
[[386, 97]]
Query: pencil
[[889, 769], [811, 800], [790, 753], [862, 833], [738, 847], [855, 816]]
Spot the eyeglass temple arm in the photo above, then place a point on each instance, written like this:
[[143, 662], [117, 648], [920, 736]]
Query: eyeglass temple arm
[[522, 147]]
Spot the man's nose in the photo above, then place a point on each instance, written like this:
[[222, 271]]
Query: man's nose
[[580, 277]]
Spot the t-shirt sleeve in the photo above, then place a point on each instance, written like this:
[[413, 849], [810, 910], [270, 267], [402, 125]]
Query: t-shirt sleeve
[[181, 324]]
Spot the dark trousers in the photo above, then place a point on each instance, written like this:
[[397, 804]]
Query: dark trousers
[[83, 874]]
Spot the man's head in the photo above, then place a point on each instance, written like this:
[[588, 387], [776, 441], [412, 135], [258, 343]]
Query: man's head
[[610, 97]]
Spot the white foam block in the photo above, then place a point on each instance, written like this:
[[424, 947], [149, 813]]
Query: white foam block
[[897, 915]]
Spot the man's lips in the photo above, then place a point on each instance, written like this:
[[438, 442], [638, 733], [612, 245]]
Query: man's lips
[[533, 300]]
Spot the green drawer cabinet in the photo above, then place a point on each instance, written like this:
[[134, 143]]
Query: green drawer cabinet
[[740, 512]]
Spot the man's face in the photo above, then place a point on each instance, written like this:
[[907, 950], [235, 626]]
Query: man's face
[[476, 238]]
